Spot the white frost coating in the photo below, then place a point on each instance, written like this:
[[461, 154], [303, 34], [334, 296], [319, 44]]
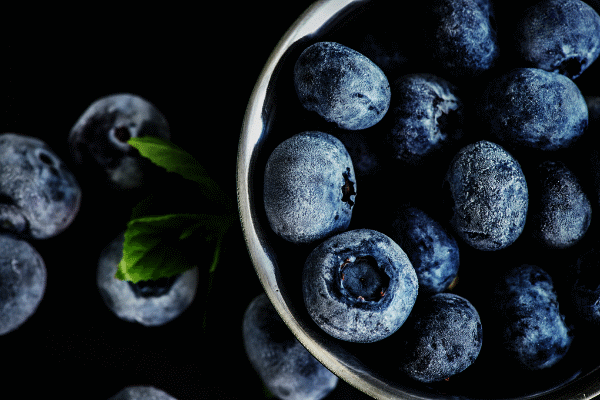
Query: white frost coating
[[142, 393], [131, 112], [151, 311]]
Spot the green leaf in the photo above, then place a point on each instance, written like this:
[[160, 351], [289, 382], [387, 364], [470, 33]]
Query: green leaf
[[160, 246], [174, 159]]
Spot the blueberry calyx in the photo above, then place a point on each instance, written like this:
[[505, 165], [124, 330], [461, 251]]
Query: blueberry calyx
[[122, 134], [572, 66], [363, 279], [348, 189], [153, 288]]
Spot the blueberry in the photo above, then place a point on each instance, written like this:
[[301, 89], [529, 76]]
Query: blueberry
[[359, 286], [150, 303], [432, 251], [561, 36], [427, 116], [488, 195], [22, 282], [585, 290], [443, 338], [142, 393], [309, 187], [462, 38], [534, 108], [39, 196], [534, 331], [98, 140], [563, 211], [341, 85], [286, 368]]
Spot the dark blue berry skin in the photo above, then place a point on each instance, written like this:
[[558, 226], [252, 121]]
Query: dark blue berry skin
[[22, 282], [461, 37], [359, 286], [561, 213], [488, 196], [341, 85], [534, 331], [40, 195], [309, 187], [533, 108], [427, 116], [286, 368], [432, 251], [443, 338], [561, 36]]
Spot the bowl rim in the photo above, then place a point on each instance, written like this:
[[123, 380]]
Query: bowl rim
[[253, 133]]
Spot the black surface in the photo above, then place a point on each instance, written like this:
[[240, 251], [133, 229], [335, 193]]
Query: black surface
[[199, 69]]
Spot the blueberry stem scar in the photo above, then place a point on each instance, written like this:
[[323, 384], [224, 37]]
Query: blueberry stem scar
[[348, 189]]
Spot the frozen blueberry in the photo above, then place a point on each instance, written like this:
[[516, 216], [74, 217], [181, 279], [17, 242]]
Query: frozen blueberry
[[560, 36], [341, 85], [488, 196], [286, 368], [359, 286], [309, 187], [443, 338], [534, 108], [39, 196], [427, 116], [562, 211], [22, 282], [534, 331], [432, 251], [142, 393], [585, 291], [462, 38], [98, 140], [150, 303]]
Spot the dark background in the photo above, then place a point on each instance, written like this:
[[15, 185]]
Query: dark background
[[198, 68]]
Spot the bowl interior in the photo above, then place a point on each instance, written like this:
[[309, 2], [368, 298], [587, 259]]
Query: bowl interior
[[274, 114]]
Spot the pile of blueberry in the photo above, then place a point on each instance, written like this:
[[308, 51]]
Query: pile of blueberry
[[40, 198], [422, 203]]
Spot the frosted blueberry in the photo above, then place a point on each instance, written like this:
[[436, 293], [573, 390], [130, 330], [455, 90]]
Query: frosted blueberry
[[488, 196], [427, 116], [561, 36], [142, 393], [359, 286], [534, 331], [98, 140], [286, 368], [341, 85], [461, 37], [534, 108], [22, 282], [443, 338], [562, 212], [39, 196], [432, 251], [309, 187], [150, 303]]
